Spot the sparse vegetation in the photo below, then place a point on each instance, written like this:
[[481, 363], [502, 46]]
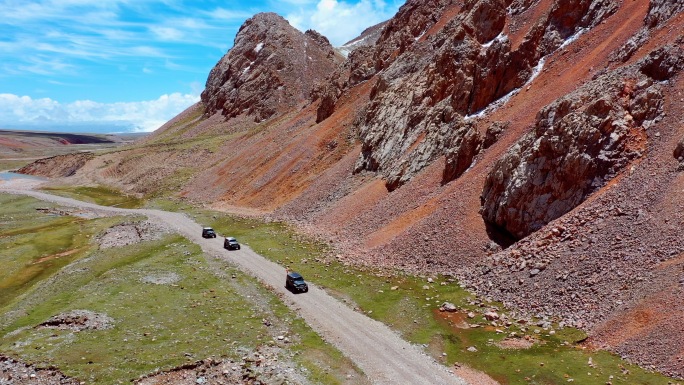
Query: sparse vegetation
[[35, 245], [211, 310], [412, 309], [100, 195]]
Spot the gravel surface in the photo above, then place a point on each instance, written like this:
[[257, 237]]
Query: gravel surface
[[262, 366], [377, 350], [130, 233], [17, 373]]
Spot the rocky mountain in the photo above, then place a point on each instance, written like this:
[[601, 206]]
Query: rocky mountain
[[368, 38], [270, 69], [453, 74], [533, 149]]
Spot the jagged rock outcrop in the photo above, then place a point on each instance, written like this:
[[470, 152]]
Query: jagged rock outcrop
[[578, 144], [390, 39], [412, 21], [271, 68], [493, 133], [357, 68], [659, 12], [460, 70], [663, 63]]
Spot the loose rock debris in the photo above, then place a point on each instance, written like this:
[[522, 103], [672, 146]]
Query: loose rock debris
[[130, 233], [18, 373], [262, 366], [79, 320]]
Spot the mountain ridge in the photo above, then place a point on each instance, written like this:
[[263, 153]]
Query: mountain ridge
[[393, 156]]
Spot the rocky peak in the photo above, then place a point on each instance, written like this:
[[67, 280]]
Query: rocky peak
[[379, 46], [367, 38], [321, 40], [271, 68]]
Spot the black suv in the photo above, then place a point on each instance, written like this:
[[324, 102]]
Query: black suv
[[231, 243], [208, 232], [295, 283]]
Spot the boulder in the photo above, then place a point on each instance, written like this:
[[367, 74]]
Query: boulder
[[491, 316]]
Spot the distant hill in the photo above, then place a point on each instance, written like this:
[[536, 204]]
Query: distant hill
[[21, 144], [77, 127]]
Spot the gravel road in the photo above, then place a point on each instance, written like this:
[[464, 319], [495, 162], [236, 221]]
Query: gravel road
[[382, 355]]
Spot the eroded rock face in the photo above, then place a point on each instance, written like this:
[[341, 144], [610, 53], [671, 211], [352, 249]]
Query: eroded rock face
[[57, 166], [660, 11], [389, 40], [357, 68], [663, 63], [412, 20], [580, 142], [493, 133], [271, 68], [453, 74]]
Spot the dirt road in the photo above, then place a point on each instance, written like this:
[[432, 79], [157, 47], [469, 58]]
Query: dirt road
[[382, 355]]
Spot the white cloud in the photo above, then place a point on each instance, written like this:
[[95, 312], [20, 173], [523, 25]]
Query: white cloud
[[167, 33], [228, 14], [45, 113], [342, 21], [297, 2]]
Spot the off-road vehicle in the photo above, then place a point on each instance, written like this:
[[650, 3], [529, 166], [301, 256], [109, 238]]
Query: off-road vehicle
[[295, 283], [208, 232], [231, 243]]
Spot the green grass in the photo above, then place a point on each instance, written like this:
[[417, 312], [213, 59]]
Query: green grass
[[13, 164], [35, 245], [100, 195], [180, 127], [212, 310], [173, 183], [412, 307], [409, 309]]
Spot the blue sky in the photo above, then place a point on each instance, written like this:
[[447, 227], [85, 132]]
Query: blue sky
[[131, 65]]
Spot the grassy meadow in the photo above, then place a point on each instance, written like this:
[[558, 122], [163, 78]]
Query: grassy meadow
[[101, 195], [207, 309]]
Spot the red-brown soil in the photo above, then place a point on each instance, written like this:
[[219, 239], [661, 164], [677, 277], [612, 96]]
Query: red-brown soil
[[295, 169]]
